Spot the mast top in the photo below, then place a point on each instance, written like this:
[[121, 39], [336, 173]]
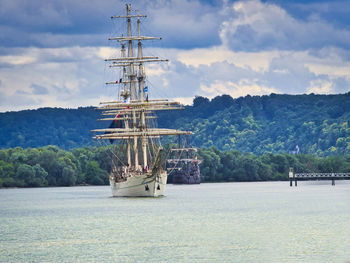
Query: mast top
[[128, 10]]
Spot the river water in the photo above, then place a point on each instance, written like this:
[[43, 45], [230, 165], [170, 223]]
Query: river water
[[222, 222]]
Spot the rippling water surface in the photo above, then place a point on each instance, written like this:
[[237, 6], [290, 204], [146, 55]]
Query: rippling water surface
[[223, 222]]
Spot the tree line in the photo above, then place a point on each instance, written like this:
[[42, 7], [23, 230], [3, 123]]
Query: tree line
[[232, 165], [278, 123], [52, 166]]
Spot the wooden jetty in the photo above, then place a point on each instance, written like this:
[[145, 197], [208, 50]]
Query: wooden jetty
[[316, 176]]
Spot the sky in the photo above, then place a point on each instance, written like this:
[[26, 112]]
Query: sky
[[52, 51]]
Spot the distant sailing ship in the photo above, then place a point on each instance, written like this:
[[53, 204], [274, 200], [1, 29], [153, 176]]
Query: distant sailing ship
[[184, 167], [137, 163]]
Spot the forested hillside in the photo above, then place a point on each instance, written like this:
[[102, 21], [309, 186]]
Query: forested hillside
[[317, 124], [66, 128]]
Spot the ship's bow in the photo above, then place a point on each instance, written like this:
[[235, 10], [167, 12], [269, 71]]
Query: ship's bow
[[142, 185]]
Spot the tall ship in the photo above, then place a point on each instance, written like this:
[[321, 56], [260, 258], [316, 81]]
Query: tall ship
[[137, 163], [183, 166]]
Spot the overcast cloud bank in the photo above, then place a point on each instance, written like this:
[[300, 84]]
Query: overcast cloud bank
[[51, 53]]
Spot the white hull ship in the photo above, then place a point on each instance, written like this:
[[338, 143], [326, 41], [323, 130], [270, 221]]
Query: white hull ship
[[137, 160], [142, 185]]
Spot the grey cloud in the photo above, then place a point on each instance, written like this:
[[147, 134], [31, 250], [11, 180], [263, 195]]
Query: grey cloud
[[182, 81], [76, 74], [186, 24], [38, 90], [3, 101], [17, 101], [19, 37], [53, 23], [341, 85], [182, 23], [342, 54], [288, 76], [60, 23], [57, 15], [335, 12], [22, 92], [284, 75], [264, 26], [63, 93], [85, 78]]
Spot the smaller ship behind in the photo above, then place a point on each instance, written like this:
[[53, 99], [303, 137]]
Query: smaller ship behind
[[183, 167]]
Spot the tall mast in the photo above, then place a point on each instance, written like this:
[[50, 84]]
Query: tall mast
[[125, 94], [130, 54], [135, 107], [133, 94], [141, 89]]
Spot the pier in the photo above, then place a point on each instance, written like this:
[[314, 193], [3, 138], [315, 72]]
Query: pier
[[316, 176]]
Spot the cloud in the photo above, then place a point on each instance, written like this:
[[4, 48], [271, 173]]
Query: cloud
[[66, 77], [74, 76], [63, 23], [334, 12], [13, 60], [185, 24], [237, 48], [19, 100], [62, 16], [237, 89], [320, 86], [55, 23], [290, 72], [258, 61], [39, 90], [263, 26]]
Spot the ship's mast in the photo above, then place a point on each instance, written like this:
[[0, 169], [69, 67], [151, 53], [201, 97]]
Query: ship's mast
[[132, 82], [135, 107], [141, 90], [125, 94]]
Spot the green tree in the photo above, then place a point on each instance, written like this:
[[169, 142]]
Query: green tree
[[94, 174], [40, 176], [25, 174], [68, 177]]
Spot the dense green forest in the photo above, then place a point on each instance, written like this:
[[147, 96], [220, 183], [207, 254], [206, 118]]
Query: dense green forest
[[317, 124], [52, 166], [66, 128]]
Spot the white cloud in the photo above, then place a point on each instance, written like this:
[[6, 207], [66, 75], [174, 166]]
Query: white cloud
[[281, 71], [184, 100], [242, 88], [74, 76], [258, 61], [320, 86], [51, 77], [16, 60], [254, 25], [264, 49]]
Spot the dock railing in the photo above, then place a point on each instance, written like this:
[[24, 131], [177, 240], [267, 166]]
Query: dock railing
[[316, 176]]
